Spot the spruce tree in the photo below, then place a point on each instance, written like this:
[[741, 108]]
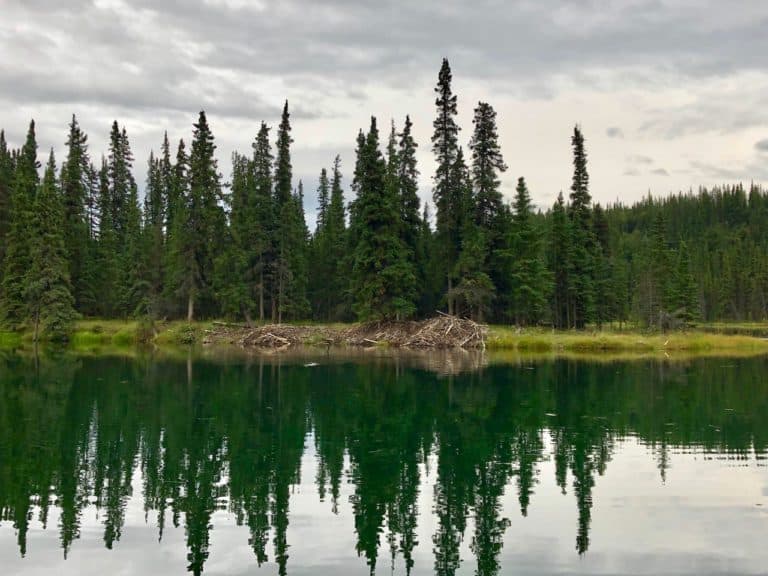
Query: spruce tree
[[176, 230], [686, 289], [107, 265], [559, 263], [289, 298], [446, 148], [204, 219], [471, 250], [283, 166], [6, 180], [490, 213], [75, 187], [381, 277], [336, 242], [410, 205], [581, 272], [47, 293], [530, 283], [322, 267], [17, 262], [153, 237], [487, 163], [265, 225], [604, 288], [234, 280]]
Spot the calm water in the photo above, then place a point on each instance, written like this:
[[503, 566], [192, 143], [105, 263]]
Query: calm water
[[111, 465]]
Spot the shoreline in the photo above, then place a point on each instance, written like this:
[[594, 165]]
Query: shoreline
[[93, 333]]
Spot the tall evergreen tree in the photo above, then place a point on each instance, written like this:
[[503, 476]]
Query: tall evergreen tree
[[581, 272], [410, 205], [490, 213], [446, 148], [204, 222], [17, 260], [75, 187], [155, 196], [487, 163], [234, 274], [323, 268], [6, 180], [381, 276], [47, 294], [289, 298], [685, 289], [176, 268], [336, 242], [283, 166], [604, 282], [559, 263], [107, 266], [265, 225], [530, 279]]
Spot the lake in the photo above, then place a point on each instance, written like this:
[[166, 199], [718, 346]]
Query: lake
[[383, 465]]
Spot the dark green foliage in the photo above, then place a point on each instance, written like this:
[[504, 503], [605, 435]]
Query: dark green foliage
[[283, 167], [181, 247], [75, 188], [685, 296], [408, 184], [559, 262], [487, 163], [6, 181], [581, 263], [323, 264], [289, 267], [200, 225], [490, 213], [381, 276], [447, 192], [50, 306], [17, 260], [153, 232], [530, 282]]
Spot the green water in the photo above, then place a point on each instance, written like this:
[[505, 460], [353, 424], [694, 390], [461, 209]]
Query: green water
[[267, 466]]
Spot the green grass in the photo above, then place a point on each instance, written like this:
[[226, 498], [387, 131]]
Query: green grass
[[535, 340]]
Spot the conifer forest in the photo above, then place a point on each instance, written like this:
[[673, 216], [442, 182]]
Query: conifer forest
[[110, 236]]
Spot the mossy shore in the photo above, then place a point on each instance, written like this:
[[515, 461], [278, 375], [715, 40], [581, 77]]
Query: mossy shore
[[94, 333]]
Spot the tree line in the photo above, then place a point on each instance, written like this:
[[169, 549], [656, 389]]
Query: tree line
[[83, 241]]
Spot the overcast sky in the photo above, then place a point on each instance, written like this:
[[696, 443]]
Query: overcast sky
[[671, 94]]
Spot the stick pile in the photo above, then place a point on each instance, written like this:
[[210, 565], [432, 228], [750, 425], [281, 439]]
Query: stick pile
[[442, 332]]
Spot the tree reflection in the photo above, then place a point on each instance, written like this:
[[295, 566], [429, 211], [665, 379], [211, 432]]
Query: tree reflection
[[76, 433]]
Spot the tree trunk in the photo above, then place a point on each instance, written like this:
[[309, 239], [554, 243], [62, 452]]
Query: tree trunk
[[191, 307], [450, 295], [261, 296]]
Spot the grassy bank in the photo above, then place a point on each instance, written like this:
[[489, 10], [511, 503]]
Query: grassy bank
[[94, 333], [507, 338]]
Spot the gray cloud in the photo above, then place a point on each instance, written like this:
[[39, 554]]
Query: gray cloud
[[640, 159], [762, 145], [154, 63], [660, 172]]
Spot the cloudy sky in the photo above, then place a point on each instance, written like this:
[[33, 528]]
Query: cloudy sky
[[671, 94]]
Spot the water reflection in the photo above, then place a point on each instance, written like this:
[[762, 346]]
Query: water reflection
[[201, 437]]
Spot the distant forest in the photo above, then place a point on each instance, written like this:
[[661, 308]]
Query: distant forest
[[81, 241]]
